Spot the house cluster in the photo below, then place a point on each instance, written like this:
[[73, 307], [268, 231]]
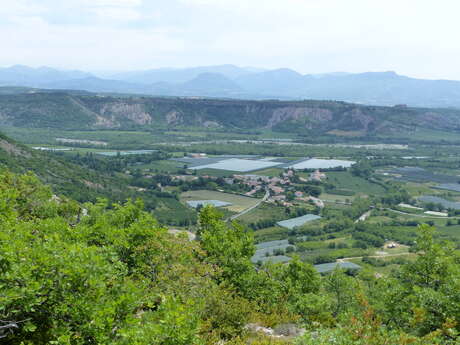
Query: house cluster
[[278, 186]]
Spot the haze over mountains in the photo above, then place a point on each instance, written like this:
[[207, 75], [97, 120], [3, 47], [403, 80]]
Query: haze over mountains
[[229, 81]]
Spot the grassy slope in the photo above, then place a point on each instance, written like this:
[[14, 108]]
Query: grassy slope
[[68, 179]]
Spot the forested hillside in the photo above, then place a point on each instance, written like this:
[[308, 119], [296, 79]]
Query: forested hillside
[[115, 276], [66, 178], [87, 178], [76, 111]]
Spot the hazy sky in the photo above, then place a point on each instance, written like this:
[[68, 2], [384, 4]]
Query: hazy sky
[[413, 37]]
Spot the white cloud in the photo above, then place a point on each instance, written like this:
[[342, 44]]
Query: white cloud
[[117, 13], [19, 7], [84, 46], [114, 3], [416, 37]]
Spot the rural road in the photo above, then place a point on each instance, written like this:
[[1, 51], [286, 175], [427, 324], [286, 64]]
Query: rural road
[[336, 202], [267, 194]]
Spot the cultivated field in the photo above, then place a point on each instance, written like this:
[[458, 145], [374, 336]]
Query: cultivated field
[[344, 180], [239, 203]]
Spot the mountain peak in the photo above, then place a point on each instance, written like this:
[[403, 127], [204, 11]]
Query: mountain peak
[[214, 81]]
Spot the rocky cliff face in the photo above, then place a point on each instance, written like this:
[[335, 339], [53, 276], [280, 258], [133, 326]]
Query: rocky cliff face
[[122, 110], [64, 111], [312, 115]]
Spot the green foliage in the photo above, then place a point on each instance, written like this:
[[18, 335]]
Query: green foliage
[[229, 247], [110, 274], [419, 298], [362, 169], [113, 276]]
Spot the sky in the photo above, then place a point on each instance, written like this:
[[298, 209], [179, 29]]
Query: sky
[[418, 38]]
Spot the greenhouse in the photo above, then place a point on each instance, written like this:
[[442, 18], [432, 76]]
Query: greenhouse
[[329, 267], [315, 163], [240, 165], [215, 203], [299, 221]]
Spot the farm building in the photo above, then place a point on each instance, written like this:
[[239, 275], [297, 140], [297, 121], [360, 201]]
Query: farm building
[[274, 259], [317, 176]]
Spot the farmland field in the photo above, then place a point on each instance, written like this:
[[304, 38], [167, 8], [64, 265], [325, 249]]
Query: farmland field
[[336, 198], [344, 180], [269, 172], [239, 203], [264, 211], [270, 234], [330, 237], [437, 200]]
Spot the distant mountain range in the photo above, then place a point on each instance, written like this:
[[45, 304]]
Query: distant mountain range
[[229, 81]]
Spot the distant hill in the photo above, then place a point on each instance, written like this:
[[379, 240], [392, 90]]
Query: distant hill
[[94, 84], [182, 75], [64, 110], [280, 82], [229, 81], [205, 84], [19, 75]]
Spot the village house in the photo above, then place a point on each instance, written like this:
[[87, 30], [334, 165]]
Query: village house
[[288, 174], [317, 202], [252, 183], [276, 189], [184, 178], [317, 176], [197, 155]]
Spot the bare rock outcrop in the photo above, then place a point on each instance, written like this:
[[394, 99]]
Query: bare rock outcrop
[[295, 113], [121, 110], [174, 117]]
